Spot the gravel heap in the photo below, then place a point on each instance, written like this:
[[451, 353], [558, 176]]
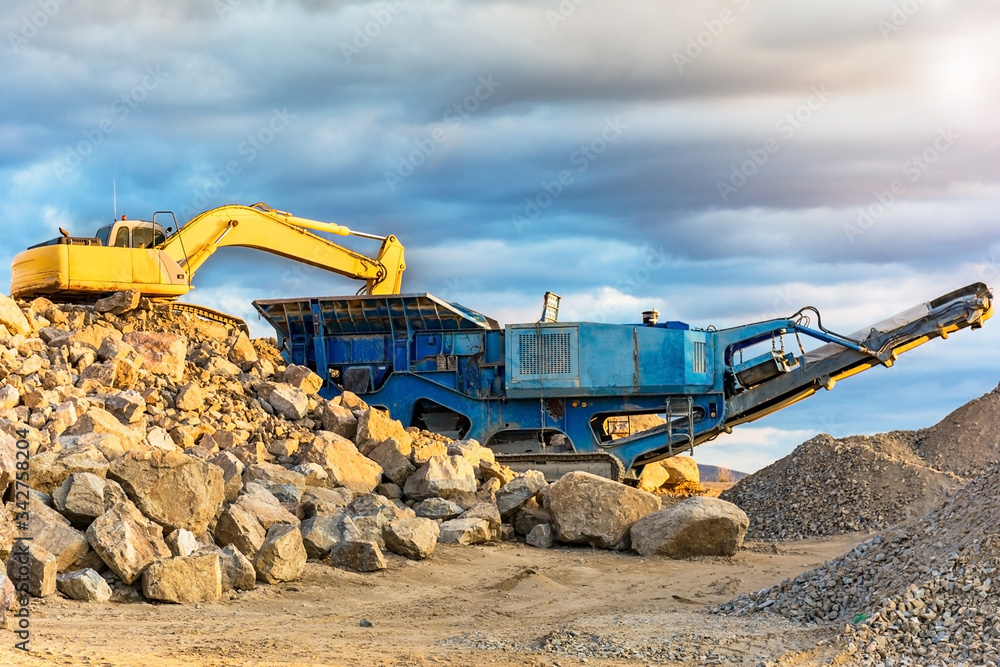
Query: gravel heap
[[923, 594], [965, 442], [831, 486]]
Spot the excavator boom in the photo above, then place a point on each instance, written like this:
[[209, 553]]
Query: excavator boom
[[279, 233], [139, 255]]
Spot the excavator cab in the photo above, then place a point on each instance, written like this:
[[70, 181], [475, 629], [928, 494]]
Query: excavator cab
[[126, 233]]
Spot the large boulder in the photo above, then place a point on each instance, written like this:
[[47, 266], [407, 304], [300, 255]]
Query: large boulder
[[119, 302], [265, 507], [472, 451], [80, 498], [190, 397], [126, 540], [541, 536], [91, 337], [8, 456], [358, 555], [97, 420], [242, 352], [530, 515], [302, 378], [339, 420], [8, 531], [515, 493], [127, 406], [487, 511], [85, 585], [184, 579], [238, 527], [282, 557], [232, 473], [425, 448], [437, 508], [343, 463], [182, 542], [51, 468], [35, 565], [320, 500], [371, 512], [289, 402], [173, 489], [413, 537], [12, 317], [697, 526], [120, 367], [321, 532], [161, 353], [8, 599], [466, 531], [669, 472], [587, 509], [375, 427], [271, 476], [442, 477], [52, 531], [395, 464], [237, 570]]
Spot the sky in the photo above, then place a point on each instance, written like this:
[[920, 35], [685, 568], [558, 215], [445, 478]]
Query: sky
[[723, 161]]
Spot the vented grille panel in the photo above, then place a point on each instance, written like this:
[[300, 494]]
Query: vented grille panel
[[698, 362], [545, 354]]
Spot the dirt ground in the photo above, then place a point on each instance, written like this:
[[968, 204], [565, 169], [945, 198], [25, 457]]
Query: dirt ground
[[505, 604]]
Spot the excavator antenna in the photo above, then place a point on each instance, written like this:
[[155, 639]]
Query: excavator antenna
[[114, 197]]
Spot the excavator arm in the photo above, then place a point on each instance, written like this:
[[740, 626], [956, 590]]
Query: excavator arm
[[85, 269], [279, 233]]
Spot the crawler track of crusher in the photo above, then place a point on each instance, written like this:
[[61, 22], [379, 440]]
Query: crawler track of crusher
[[554, 466]]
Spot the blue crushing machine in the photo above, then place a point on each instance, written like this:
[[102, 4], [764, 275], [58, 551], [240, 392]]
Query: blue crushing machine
[[558, 396]]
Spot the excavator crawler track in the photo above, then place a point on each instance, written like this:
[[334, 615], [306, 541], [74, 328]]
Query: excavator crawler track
[[213, 315]]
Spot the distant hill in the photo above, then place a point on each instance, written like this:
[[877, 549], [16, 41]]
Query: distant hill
[[711, 473]]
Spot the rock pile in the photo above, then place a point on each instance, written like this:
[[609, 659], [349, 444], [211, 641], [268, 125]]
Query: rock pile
[[923, 594], [965, 442], [830, 486], [174, 459]]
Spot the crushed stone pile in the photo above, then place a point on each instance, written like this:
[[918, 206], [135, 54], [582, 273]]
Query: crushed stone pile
[[922, 594], [967, 441], [173, 459], [829, 486]]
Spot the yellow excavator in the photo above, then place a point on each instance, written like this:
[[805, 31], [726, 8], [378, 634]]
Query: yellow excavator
[[159, 262]]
